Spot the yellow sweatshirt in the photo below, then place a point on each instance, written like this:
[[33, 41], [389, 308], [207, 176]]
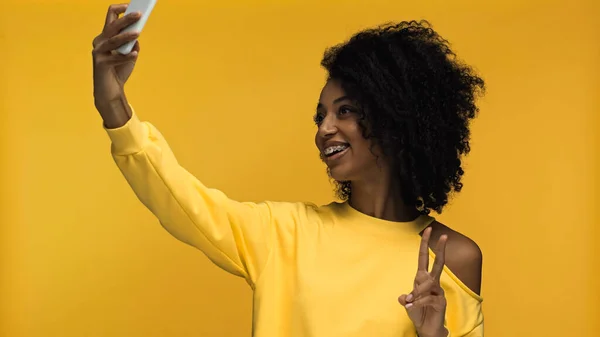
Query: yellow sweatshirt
[[327, 271]]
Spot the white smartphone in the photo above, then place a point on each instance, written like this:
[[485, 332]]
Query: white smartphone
[[143, 6]]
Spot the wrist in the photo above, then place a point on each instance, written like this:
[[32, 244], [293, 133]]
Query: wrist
[[115, 113], [443, 332]]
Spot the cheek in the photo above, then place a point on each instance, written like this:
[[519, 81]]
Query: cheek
[[354, 132], [361, 146], [364, 151], [365, 148]]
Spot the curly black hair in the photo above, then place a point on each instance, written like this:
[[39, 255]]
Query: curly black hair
[[416, 100]]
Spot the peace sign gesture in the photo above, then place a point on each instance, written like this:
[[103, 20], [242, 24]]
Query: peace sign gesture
[[426, 304]]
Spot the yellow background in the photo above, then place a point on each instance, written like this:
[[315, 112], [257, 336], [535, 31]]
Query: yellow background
[[233, 87]]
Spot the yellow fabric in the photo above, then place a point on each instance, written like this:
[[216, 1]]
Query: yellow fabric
[[323, 271]]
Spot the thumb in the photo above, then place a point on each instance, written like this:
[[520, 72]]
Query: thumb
[[402, 300], [413, 313]]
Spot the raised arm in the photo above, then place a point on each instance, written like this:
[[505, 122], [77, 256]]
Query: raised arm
[[237, 236]]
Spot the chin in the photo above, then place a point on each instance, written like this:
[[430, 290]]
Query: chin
[[339, 174]]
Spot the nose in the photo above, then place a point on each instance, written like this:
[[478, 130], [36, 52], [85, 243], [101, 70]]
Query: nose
[[328, 126]]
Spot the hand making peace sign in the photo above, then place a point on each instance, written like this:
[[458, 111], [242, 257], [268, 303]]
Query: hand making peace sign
[[426, 304]]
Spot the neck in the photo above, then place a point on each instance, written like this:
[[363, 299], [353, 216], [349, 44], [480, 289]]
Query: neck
[[379, 197]]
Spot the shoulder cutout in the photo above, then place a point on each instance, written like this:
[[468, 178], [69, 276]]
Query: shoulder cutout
[[463, 256]]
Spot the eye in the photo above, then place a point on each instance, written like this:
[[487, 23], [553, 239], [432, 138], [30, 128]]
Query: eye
[[345, 109], [318, 119]]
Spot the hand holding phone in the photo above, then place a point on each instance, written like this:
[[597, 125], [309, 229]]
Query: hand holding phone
[[112, 69], [145, 8]]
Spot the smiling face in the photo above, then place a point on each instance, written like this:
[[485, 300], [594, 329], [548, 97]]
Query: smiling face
[[348, 155]]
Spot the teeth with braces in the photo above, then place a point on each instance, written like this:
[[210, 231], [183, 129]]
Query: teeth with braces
[[332, 149]]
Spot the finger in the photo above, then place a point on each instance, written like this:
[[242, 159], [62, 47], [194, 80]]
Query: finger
[[402, 300], [116, 42], [121, 59], [440, 257], [121, 23], [113, 13], [96, 41], [424, 289], [116, 27], [421, 302], [424, 250], [118, 59], [136, 47]]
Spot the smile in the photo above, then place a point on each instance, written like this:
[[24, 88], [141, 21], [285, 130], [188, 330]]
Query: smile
[[335, 152]]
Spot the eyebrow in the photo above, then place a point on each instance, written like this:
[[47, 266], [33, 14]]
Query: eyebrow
[[335, 101]]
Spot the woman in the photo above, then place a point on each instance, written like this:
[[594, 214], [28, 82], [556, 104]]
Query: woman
[[392, 125]]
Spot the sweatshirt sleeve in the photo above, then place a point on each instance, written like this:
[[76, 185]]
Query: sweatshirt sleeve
[[236, 236]]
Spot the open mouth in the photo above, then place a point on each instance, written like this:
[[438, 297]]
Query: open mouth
[[335, 151]]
